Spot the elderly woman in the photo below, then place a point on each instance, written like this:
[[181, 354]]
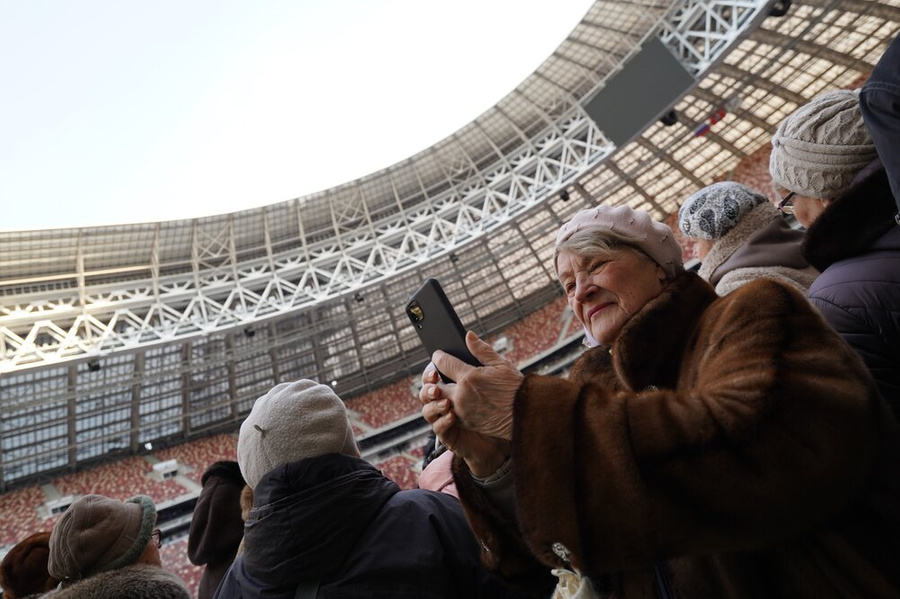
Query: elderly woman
[[822, 165], [740, 236], [705, 447]]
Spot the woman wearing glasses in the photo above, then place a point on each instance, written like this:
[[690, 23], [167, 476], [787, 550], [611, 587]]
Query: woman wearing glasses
[[825, 164], [102, 547]]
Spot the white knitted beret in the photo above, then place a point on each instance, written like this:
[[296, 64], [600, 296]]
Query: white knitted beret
[[291, 422], [654, 238], [819, 148], [714, 210]]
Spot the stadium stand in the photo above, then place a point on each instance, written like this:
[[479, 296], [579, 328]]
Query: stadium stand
[[165, 392]]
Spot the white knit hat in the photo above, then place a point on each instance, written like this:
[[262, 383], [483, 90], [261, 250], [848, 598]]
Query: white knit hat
[[293, 421], [654, 238], [714, 210], [819, 148]]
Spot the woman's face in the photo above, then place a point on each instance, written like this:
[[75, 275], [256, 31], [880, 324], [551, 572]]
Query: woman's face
[[605, 293], [807, 209]]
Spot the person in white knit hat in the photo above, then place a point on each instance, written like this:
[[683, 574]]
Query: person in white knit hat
[[740, 236], [825, 163], [326, 521], [705, 446]]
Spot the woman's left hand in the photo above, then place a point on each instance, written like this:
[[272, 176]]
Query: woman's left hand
[[483, 396]]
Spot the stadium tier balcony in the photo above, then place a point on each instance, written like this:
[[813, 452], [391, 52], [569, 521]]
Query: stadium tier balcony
[[19, 515], [402, 469], [120, 480], [381, 407], [198, 455]]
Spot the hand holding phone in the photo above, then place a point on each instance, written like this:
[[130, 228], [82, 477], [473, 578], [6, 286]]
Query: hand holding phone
[[437, 323]]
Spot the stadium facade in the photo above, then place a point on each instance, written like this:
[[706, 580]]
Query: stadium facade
[[118, 336]]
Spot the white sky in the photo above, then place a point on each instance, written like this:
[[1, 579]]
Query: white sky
[[118, 111]]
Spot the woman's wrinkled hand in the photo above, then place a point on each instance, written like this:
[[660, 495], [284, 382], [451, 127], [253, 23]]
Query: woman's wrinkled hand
[[482, 397], [483, 454]]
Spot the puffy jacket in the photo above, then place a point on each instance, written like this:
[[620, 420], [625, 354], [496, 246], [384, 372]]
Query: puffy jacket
[[338, 520], [879, 101], [855, 242]]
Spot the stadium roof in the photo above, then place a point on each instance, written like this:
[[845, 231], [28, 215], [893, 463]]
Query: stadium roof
[[171, 329]]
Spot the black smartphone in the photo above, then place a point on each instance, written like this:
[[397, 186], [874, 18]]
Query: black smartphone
[[437, 324]]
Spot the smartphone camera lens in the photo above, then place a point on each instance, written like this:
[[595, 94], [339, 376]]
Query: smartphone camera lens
[[414, 310]]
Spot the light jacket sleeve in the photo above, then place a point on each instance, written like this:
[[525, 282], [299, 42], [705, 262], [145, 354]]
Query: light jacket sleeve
[[766, 432]]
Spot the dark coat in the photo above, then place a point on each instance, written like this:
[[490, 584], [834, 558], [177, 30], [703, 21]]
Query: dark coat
[[216, 525], [855, 242], [132, 582], [736, 441], [338, 520], [879, 101]]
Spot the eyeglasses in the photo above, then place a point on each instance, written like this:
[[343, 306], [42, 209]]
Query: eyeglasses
[[156, 536], [787, 203]]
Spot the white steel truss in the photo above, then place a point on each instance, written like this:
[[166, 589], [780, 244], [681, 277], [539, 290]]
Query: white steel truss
[[152, 302]]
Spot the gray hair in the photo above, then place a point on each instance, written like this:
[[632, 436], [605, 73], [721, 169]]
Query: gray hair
[[600, 243]]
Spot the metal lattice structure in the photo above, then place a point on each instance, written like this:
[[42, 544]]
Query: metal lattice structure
[[112, 337]]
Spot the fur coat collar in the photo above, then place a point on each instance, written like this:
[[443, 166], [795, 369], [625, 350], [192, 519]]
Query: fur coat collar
[[136, 582]]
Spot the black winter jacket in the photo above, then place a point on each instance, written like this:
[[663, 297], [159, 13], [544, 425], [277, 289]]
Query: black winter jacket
[[855, 243], [338, 520]]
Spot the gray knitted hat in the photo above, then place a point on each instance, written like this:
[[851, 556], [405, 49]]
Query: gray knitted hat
[[98, 534], [817, 150], [714, 210], [293, 421]]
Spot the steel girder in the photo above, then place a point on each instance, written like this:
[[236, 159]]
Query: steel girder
[[222, 290]]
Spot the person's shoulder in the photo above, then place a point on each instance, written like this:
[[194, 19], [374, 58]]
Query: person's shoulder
[[425, 499], [763, 289], [133, 582]]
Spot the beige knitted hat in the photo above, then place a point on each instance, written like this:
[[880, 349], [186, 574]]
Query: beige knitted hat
[[293, 421], [819, 148]]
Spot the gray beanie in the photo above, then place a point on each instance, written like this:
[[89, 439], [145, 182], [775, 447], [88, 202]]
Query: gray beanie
[[819, 148], [98, 534], [293, 421], [714, 210]]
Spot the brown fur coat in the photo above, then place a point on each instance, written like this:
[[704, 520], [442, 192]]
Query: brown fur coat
[[737, 441]]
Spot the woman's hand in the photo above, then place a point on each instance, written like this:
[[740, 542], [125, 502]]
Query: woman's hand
[[483, 453], [483, 396]]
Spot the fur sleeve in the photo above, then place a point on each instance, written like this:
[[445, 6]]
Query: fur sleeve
[[767, 432], [503, 550]]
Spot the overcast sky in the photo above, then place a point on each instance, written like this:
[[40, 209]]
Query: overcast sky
[[121, 111]]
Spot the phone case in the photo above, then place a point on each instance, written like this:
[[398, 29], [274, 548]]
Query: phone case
[[437, 323]]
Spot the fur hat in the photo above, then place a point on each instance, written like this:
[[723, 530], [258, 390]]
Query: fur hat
[[819, 148], [714, 210], [98, 534], [654, 238], [291, 422], [24, 569]]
